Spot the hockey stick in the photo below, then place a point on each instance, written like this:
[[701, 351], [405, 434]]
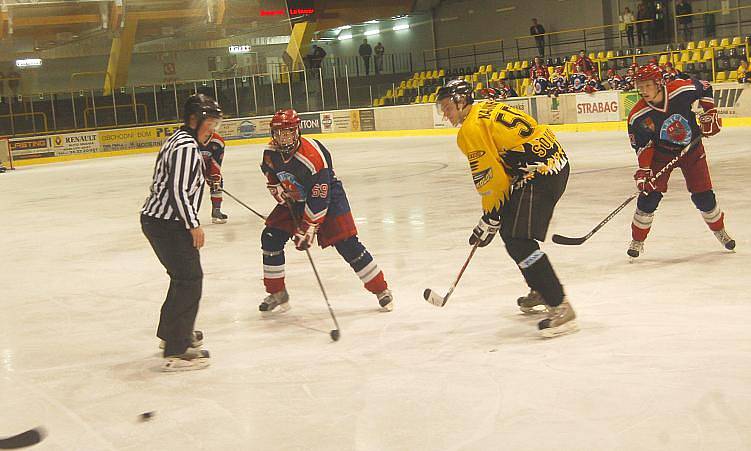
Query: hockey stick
[[570, 241], [335, 333], [438, 300], [243, 204], [22, 440]]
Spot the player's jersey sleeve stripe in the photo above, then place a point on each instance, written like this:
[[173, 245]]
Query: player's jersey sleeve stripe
[[638, 113], [682, 89]]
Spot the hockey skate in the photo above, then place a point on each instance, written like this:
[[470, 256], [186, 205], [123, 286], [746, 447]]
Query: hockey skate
[[275, 303], [217, 217], [724, 239], [188, 361], [635, 248], [195, 343], [528, 303], [561, 320], [386, 300]]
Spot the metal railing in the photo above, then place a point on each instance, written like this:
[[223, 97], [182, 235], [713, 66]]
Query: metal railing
[[250, 95]]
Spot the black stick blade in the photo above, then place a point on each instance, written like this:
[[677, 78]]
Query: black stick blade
[[22, 440], [568, 241]]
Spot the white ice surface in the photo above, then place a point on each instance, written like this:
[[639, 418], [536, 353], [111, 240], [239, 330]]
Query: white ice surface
[[662, 361]]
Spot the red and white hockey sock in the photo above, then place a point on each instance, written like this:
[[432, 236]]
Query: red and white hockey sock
[[641, 224], [714, 218], [273, 271]]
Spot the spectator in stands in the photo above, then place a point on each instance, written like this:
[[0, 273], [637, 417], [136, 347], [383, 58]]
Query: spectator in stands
[[641, 28], [14, 81], [628, 21], [684, 7], [538, 31], [378, 58], [365, 52], [584, 64], [537, 64], [743, 73], [317, 55]]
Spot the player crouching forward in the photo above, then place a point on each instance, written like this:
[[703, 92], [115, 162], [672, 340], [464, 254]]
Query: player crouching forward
[[300, 173], [660, 125], [506, 147]]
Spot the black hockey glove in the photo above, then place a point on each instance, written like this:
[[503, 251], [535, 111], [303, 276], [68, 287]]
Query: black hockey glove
[[484, 231]]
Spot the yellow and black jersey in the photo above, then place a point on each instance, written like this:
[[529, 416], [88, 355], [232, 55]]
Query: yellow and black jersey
[[506, 147]]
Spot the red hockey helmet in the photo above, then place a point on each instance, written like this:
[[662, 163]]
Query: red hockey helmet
[[649, 72], [611, 72], [285, 131]]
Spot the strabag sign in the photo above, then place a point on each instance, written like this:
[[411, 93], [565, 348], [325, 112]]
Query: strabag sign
[[600, 106]]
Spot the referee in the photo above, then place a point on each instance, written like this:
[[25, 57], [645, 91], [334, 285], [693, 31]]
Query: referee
[[169, 219]]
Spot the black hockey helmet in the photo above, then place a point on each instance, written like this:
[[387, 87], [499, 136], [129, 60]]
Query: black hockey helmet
[[456, 89], [202, 106]]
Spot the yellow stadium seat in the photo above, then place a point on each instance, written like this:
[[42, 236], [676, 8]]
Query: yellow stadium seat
[[675, 57], [733, 76], [737, 41], [708, 54], [721, 76], [663, 60], [425, 98], [436, 89], [573, 58], [478, 86], [416, 75], [610, 54], [441, 73], [422, 83], [691, 45], [696, 56], [400, 93], [409, 84], [679, 66], [388, 93], [475, 78], [550, 71], [701, 45], [601, 55], [510, 66], [403, 84], [431, 99], [482, 70], [517, 65], [712, 43], [502, 76], [592, 56], [375, 102], [494, 77], [489, 68], [685, 56], [725, 42], [435, 74], [525, 64]]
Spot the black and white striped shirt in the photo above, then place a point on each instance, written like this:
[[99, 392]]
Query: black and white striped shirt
[[177, 188]]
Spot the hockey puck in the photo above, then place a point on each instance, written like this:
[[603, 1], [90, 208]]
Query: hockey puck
[[146, 416], [334, 334]]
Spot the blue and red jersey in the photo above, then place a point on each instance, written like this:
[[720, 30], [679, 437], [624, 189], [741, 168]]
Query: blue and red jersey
[[672, 126]]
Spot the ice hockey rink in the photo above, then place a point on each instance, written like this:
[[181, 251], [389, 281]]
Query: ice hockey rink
[[662, 360]]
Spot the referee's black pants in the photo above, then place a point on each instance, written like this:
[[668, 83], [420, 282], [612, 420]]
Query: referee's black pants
[[173, 245]]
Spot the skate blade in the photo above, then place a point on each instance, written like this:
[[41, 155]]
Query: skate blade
[[179, 365], [533, 310], [564, 329], [387, 308], [278, 310], [218, 221]]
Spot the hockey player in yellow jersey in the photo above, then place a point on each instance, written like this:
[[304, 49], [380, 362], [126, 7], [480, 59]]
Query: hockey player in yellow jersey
[[520, 171]]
